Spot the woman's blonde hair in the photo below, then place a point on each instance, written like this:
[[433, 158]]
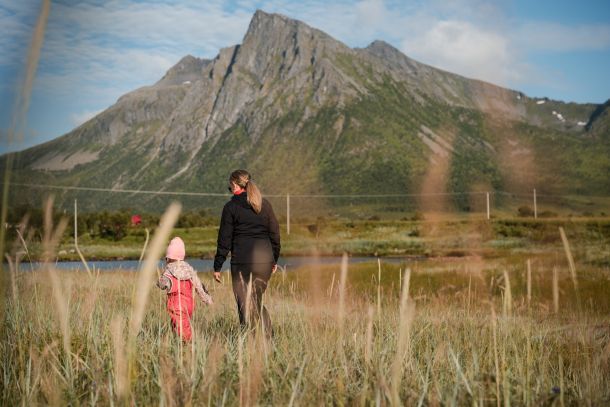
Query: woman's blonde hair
[[243, 179]]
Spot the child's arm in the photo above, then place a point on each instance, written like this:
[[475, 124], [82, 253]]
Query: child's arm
[[165, 283], [200, 288]]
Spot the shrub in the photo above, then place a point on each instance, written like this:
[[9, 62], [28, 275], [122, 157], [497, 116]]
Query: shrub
[[525, 211]]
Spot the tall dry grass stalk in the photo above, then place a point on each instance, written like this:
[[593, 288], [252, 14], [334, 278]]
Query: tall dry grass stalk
[[80, 254], [460, 372], [145, 245], [403, 344], [296, 383], [507, 303], [561, 383], [494, 330], [51, 238], [240, 367], [256, 359], [145, 280], [378, 288], [555, 290], [529, 283], [13, 275], [341, 343], [566, 247], [120, 362], [368, 349], [342, 289]]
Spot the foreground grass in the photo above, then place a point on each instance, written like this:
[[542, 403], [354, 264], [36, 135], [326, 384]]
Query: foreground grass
[[461, 340]]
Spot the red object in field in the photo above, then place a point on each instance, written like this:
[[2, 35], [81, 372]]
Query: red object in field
[[136, 220]]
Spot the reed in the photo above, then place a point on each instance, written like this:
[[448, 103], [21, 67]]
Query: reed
[[378, 288], [507, 303], [494, 330], [555, 290], [342, 289], [120, 362], [572, 265], [529, 283], [403, 345]]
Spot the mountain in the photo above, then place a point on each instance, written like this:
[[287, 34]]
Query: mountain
[[307, 114]]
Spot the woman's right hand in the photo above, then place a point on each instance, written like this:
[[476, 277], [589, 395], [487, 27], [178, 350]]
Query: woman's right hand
[[217, 277]]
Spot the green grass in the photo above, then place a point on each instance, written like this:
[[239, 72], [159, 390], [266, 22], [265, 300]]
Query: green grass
[[464, 332], [590, 238]]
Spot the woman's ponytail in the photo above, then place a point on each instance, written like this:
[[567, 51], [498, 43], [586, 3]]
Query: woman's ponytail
[[243, 179], [254, 196]]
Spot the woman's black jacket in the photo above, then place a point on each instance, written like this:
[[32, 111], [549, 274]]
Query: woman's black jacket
[[250, 237]]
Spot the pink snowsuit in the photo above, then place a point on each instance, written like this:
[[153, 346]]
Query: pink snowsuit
[[179, 279], [180, 305]]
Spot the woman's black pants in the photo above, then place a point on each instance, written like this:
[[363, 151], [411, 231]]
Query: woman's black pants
[[256, 274]]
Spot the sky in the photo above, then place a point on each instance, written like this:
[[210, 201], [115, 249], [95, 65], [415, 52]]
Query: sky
[[94, 51]]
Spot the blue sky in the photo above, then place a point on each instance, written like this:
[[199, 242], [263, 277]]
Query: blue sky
[[95, 51]]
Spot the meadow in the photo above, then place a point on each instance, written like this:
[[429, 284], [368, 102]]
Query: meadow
[[520, 327], [398, 238]]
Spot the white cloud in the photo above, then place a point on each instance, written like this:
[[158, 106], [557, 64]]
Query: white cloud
[[463, 48]]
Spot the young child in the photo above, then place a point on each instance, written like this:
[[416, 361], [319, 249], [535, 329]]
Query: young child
[[178, 279]]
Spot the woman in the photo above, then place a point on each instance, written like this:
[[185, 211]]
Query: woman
[[249, 230]]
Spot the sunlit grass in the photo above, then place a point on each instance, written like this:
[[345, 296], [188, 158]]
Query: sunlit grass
[[452, 358]]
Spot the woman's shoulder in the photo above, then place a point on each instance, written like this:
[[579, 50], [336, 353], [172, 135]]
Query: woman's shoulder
[[266, 203], [229, 205]]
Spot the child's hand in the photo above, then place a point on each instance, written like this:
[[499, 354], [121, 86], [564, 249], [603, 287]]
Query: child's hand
[[207, 299], [164, 283]]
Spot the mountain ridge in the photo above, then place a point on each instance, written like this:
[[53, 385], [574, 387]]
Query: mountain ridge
[[292, 92]]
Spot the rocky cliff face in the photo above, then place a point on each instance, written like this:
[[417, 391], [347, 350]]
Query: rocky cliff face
[[305, 112]]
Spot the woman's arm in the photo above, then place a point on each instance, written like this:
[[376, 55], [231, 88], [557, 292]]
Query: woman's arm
[[274, 234], [225, 238]]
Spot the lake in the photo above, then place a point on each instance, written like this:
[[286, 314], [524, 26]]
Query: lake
[[207, 264]]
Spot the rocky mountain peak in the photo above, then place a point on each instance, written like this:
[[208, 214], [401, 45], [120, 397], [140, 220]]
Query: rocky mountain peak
[[273, 38], [188, 70], [290, 102]]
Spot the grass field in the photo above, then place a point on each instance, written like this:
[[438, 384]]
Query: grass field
[[497, 314], [466, 335]]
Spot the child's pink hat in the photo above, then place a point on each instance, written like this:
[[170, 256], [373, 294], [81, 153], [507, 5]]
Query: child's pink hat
[[175, 250]]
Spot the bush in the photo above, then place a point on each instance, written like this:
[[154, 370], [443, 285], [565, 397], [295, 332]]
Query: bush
[[525, 211], [316, 228]]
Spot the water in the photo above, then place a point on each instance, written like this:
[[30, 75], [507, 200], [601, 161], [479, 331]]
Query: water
[[208, 265]]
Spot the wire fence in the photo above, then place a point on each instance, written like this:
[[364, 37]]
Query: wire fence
[[299, 208]]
